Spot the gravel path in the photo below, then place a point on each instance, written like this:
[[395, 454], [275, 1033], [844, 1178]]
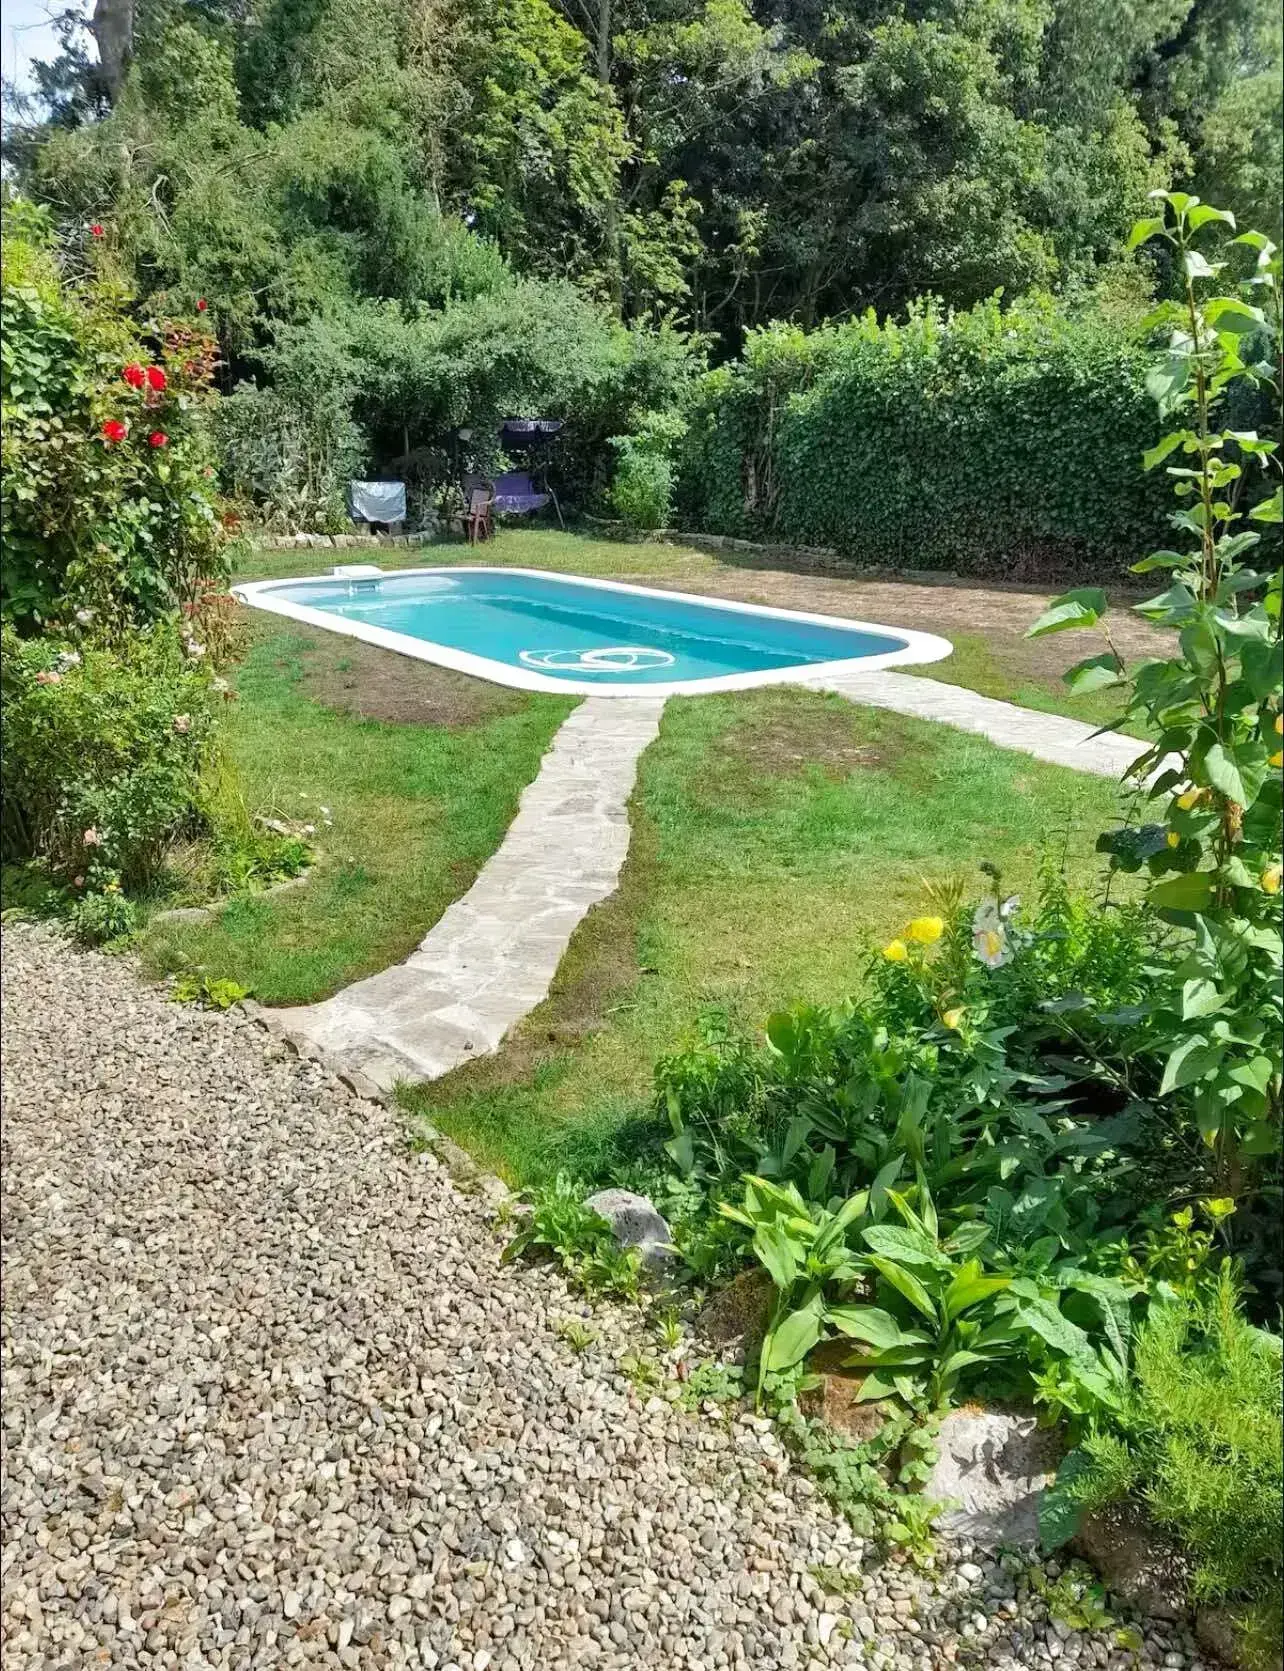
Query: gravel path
[[271, 1399]]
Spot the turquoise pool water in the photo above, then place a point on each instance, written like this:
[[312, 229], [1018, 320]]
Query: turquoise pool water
[[579, 632]]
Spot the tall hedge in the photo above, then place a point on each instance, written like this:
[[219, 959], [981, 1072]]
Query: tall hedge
[[991, 442]]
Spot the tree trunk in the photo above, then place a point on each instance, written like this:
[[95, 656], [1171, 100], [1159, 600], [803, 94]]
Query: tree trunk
[[113, 29]]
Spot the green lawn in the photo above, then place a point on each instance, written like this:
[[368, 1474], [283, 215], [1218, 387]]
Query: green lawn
[[417, 808], [777, 835]]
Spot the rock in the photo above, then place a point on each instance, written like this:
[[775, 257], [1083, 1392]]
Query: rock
[[635, 1223], [737, 1314], [1216, 1634], [993, 1465], [1136, 1561], [836, 1400]]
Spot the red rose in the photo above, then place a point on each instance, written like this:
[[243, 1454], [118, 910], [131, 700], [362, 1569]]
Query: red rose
[[201, 304], [134, 376], [158, 438], [97, 229], [114, 430], [156, 378]]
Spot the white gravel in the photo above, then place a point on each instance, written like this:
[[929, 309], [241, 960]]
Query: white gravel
[[270, 1399]]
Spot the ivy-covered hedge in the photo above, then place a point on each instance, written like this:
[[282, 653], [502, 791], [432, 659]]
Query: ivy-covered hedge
[[991, 442]]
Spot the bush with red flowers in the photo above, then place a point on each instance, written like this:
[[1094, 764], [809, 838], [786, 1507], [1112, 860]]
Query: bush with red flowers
[[106, 500]]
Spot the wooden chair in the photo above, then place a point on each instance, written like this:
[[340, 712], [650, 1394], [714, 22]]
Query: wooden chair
[[480, 521]]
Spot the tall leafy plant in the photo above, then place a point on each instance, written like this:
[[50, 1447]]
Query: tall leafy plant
[[1214, 705]]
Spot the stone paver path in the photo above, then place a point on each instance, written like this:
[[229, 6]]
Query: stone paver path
[[1052, 737], [271, 1399], [492, 956]]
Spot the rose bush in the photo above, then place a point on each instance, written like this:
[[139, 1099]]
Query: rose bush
[[105, 469]]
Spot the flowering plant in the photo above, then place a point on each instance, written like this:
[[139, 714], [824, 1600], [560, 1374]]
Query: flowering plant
[[103, 487]]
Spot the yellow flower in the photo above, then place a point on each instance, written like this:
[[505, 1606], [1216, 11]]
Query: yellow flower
[[1271, 879], [1174, 840], [1277, 759], [953, 1019], [1191, 798], [896, 952], [1279, 725], [926, 930]]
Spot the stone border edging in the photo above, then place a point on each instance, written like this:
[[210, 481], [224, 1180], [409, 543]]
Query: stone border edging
[[339, 542], [190, 913]]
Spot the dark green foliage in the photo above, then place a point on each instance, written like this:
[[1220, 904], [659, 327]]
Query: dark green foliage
[[990, 442], [733, 164], [103, 754]]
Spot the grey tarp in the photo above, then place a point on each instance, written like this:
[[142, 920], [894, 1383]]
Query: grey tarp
[[377, 501]]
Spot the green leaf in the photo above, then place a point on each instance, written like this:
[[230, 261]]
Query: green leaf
[[1163, 560], [790, 1342], [1151, 226], [1096, 673], [1190, 892], [969, 1288], [1200, 997], [872, 1325], [894, 1241], [967, 1238], [1189, 1062], [906, 1283], [1270, 510], [1202, 213], [1223, 773], [1226, 313], [1161, 449], [1060, 1510], [1083, 607], [1043, 1318], [780, 1254]]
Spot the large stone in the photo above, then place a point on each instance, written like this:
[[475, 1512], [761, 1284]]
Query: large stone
[[635, 1222], [1216, 1634], [992, 1466], [836, 1398], [1136, 1561], [735, 1316]]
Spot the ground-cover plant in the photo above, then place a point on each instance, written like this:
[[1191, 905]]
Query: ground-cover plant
[[559, 1224], [1211, 858]]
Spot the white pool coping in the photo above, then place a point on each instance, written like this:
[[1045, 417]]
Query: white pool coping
[[919, 647]]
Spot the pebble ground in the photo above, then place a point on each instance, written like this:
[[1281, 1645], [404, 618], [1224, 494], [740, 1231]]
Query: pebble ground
[[271, 1399]]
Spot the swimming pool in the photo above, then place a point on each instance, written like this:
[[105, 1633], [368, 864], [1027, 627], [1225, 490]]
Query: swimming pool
[[553, 632]]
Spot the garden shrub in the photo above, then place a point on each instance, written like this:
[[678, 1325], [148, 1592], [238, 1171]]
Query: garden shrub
[[996, 441], [1199, 1441], [105, 470], [103, 751], [642, 491]]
